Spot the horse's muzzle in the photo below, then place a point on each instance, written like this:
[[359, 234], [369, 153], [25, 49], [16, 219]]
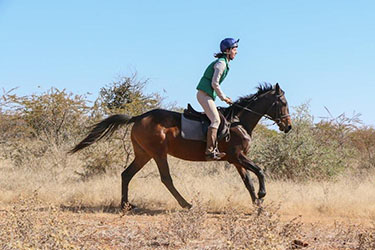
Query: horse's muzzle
[[287, 128], [285, 125]]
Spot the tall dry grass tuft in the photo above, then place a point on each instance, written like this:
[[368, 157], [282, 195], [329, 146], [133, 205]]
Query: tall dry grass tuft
[[261, 229], [187, 226], [347, 197], [25, 228]]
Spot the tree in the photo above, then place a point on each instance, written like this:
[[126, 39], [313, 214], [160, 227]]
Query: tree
[[127, 95], [363, 139], [53, 116]]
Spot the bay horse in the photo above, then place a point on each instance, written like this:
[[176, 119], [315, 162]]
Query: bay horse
[[157, 133]]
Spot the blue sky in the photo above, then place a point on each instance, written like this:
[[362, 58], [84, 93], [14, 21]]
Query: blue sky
[[319, 51]]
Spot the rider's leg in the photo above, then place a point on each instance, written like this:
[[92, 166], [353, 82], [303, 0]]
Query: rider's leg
[[209, 107], [212, 152]]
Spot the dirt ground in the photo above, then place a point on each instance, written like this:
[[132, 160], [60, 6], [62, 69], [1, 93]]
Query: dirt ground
[[109, 228]]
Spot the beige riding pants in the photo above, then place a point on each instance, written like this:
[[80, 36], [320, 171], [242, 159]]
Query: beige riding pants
[[209, 107]]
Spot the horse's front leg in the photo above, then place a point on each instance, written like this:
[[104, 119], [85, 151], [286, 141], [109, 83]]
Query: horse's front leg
[[249, 165], [246, 178]]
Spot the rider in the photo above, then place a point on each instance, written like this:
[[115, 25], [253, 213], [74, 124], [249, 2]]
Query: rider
[[209, 87]]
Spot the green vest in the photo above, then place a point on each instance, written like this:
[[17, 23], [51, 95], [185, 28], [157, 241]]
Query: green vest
[[206, 80]]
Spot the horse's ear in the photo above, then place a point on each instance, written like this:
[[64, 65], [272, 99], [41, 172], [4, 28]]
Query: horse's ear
[[277, 88]]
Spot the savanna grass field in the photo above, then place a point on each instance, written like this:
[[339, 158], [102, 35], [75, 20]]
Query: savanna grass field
[[320, 181]]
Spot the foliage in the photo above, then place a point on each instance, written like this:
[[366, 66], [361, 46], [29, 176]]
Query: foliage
[[11, 125], [309, 151], [363, 140], [53, 116], [127, 95], [104, 158]]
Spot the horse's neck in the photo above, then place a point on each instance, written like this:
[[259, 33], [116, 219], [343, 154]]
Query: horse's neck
[[250, 119]]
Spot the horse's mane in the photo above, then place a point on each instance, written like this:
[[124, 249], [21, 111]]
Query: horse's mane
[[262, 88], [244, 101]]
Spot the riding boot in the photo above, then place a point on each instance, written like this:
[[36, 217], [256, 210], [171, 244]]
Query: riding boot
[[212, 153]]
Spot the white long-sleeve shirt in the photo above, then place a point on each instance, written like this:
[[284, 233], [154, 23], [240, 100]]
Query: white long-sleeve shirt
[[219, 68]]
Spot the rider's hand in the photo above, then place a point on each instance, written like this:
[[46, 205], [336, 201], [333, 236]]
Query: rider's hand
[[228, 100]]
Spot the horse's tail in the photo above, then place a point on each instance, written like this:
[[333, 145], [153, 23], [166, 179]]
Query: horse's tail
[[102, 129]]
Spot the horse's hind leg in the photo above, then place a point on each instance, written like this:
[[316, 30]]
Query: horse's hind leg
[[166, 179], [141, 158]]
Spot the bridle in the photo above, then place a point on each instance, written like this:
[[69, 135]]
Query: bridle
[[276, 119]]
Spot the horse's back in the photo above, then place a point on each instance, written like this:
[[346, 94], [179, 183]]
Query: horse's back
[[160, 117], [155, 130], [156, 122]]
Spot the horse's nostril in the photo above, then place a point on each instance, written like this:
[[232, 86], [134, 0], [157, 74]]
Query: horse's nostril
[[287, 128]]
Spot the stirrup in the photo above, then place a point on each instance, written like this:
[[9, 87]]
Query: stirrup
[[215, 156]]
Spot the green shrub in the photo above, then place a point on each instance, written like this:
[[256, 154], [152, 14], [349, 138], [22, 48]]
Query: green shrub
[[127, 95], [309, 151], [363, 141], [53, 116]]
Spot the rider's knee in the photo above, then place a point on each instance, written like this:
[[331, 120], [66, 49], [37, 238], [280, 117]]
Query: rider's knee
[[215, 123]]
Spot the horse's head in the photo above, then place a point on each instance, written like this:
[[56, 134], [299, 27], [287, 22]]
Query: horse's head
[[269, 102], [279, 110]]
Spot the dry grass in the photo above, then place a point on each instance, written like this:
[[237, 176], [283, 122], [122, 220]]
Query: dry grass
[[57, 183], [44, 204], [347, 197], [31, 224]]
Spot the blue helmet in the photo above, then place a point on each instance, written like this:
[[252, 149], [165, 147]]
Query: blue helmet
[[228, 43]]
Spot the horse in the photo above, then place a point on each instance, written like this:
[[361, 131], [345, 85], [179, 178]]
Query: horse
[[157, 134]]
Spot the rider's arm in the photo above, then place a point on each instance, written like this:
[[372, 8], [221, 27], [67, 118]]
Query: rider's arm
[[219, 68]]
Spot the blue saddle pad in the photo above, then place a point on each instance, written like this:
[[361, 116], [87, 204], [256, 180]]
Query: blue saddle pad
[[193, 130]]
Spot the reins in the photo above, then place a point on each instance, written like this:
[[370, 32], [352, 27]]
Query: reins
[[265, 115], [252, 111]]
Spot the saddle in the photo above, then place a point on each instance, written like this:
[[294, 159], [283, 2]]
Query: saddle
[[194, 125]]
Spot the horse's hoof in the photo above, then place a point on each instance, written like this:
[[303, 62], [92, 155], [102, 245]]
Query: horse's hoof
[[260, 210], [261, 194], [187, 205], [128, 207]]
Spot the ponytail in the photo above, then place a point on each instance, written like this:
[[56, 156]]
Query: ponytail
[[219, 55]]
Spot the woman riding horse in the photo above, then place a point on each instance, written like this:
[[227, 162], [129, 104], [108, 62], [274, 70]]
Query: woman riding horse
[[209, 87]]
